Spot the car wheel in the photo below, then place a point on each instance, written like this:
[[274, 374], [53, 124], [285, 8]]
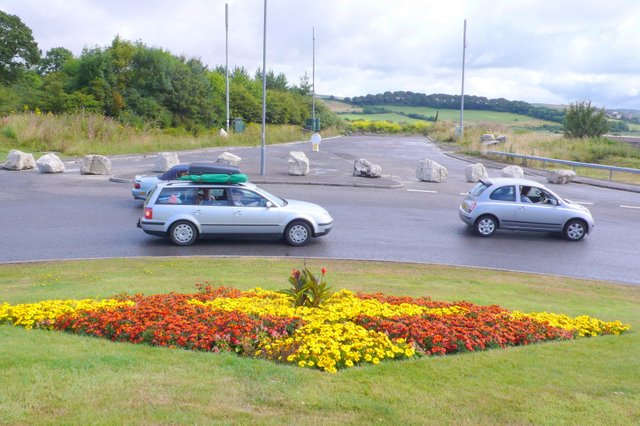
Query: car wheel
[[575, 230], [183, 233], [297, 233], [486, 225]]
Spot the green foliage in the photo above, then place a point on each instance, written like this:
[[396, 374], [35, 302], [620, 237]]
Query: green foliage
[[142, 86], [306, 289], [443, 101], [618, 126], [582, 120], [388, 127], [54, 60], [18, 50]]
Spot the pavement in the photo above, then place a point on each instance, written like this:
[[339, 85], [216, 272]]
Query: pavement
[[332, 165], [326, 167]]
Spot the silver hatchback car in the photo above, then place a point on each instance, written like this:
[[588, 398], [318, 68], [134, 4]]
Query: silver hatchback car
[[185, 211], [524, 205]]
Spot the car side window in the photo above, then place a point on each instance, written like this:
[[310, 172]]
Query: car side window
[[213, 197], [184, 196], [504, 193], [246, 198]]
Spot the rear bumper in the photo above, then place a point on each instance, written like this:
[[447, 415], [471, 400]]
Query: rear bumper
[[465, 217]]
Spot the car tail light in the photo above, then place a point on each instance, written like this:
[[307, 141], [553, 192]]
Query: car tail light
[[468, 206], [148, 213], [136, 185]]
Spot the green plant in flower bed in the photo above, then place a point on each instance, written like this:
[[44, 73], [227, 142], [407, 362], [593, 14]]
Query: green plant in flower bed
[[347, 330], [306, 289]]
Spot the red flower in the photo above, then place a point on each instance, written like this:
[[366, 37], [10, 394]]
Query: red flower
[[324, 271]]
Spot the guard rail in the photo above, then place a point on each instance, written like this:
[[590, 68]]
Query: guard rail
[[573, 164]]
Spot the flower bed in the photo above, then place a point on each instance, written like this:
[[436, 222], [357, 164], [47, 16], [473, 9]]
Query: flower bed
[[346, 330]]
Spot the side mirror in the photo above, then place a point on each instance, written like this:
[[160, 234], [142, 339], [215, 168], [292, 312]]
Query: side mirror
[[269, 204]]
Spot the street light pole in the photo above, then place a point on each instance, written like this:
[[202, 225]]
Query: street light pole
[[226, 67], [464, 47], [264, 93], [313, 84]]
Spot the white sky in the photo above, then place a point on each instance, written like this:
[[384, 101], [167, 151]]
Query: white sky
[[538, 51]]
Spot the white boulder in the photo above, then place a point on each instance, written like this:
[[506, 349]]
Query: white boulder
[[560, 176], [475, 172], [363, 168], [430, 171], [165, 161], [228, 159], [223, 133], [50, 163], [95, 165], [298, 163], [18, 160], [512, 171]]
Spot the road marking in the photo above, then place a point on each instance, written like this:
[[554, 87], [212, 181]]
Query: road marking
[[422, 190], [586, 203], [629, 207]]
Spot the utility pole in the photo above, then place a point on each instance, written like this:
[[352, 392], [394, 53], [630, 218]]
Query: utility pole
[[226, 67], [313, 83], [464, 47], [264, 93]]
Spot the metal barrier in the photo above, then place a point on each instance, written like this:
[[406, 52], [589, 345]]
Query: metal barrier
[[573, 164]]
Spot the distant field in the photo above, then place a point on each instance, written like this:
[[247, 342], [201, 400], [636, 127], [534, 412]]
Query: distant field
[[340, 107], [508, 119], [393, 117]]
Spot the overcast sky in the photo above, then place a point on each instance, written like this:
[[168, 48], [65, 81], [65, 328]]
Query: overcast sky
[[538, 51]]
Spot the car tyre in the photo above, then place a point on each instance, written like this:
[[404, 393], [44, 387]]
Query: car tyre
[[486, 225], [297, 233], [575, 230], [183, 233]]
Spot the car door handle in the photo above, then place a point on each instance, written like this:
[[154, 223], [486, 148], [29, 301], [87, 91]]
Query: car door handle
[[522, 207], [237, 213]]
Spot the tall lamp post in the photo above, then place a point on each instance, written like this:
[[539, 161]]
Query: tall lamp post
[[464, 47], [264, 93], [226, 67], [313, 84]]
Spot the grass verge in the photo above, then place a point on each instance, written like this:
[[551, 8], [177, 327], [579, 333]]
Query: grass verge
[[54, 378]]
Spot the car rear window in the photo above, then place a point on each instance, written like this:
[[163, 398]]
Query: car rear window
[[478, 189]]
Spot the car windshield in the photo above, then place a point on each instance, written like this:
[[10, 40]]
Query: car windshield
[[278, 200]]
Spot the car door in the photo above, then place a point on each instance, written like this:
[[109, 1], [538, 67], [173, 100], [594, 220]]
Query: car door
[[542, 214], [251, 214], [502, 204], [214, 211]]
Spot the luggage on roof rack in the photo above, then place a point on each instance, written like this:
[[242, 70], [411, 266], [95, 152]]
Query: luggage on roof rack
[[211, 168], [216, 178]]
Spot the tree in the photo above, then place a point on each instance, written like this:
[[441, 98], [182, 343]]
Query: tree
[[18, 50], [54, 60], [582, 120]]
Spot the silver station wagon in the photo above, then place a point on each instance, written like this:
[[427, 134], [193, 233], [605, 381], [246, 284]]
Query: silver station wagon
[[524, 205], [185, 211]]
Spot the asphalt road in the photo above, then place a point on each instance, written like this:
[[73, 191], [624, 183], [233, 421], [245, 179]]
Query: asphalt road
[[69, 216]]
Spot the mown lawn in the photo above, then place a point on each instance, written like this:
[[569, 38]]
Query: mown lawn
[[54, 378]]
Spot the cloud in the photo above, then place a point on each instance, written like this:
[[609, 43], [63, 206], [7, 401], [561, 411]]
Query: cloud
[[548, 52]]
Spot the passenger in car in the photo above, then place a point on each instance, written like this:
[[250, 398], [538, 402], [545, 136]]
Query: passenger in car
[[175, 198]]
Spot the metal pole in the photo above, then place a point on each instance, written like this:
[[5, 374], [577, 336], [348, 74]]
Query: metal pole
[[464, 47], [313, 83], [226, 67], [264, 93]]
